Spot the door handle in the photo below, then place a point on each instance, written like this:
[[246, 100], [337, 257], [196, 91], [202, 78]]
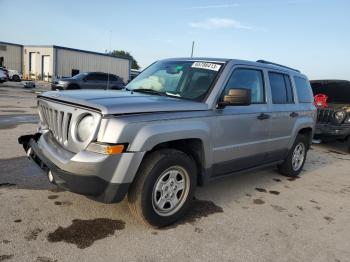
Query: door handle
[[263, 116], [294, 114]]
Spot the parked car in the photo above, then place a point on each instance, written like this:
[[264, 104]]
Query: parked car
[[332, 98], [179, 124], [3, 77], [14, 75], [6, 72], [91, 80]]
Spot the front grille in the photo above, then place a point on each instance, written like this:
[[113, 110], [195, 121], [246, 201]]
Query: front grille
[[58, 122], [325, 115], [61, 119]]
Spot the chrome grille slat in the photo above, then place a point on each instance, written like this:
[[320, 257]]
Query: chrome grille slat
[[58, 119], [325, 115]]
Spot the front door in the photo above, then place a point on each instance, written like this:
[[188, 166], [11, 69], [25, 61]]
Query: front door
[[241, 140]]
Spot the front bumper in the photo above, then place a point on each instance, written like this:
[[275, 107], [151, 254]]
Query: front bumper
[[98, 179], [337, 131]]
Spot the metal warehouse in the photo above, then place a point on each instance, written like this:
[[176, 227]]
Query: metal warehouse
[[50, 62]]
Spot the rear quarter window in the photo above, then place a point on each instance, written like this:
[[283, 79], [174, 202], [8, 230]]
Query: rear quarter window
[[303, 90]]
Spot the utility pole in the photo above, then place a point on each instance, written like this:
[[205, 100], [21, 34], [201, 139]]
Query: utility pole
[[192, 48], [109, 58]]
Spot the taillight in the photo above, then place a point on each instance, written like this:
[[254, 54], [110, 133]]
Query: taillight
[[320, 100]]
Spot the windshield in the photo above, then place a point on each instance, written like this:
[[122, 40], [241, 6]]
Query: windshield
[[79, 76], [183, 79], [337, 91]]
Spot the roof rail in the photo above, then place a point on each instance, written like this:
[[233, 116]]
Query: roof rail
[[271, 63]]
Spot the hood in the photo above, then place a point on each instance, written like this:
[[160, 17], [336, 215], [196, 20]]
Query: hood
[[123, 102]]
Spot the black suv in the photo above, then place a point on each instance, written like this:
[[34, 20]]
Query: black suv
[[91, 80], [332, 98]]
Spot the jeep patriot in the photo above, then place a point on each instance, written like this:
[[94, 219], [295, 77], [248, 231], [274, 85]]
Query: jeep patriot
[[180, 123]]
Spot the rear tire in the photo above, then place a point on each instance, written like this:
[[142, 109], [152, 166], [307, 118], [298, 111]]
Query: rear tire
[[155, 197], [16, 78], [295, 160]]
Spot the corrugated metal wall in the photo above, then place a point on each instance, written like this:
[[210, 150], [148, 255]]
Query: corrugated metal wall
[[66, 60], [12, 55]]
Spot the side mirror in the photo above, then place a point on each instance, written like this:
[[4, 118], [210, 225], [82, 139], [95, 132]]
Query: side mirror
[[236, 97]]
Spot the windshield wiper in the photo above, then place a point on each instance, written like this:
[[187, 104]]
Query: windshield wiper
[[149, 91]]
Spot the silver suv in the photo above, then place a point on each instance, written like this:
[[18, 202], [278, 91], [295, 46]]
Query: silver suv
[[180, 123]]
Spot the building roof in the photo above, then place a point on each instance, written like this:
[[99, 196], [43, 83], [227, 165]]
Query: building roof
[[7, 43]]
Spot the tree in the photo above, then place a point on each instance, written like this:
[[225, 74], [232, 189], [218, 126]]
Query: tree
[[124, 54]]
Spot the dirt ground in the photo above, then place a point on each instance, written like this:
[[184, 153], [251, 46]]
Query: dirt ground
[[258, 216]]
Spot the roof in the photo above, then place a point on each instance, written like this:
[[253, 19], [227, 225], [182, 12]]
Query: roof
[[7, 43], [262, 63], [77, 50], [329, 80]]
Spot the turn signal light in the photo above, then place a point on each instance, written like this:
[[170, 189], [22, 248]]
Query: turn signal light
[[107, 149], [117, 149]]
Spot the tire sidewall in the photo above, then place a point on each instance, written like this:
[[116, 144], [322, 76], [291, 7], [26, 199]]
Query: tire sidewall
[[299, 139], [177, 159]]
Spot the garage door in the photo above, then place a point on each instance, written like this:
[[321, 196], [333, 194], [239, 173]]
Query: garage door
[[32, 64], [46, 67]]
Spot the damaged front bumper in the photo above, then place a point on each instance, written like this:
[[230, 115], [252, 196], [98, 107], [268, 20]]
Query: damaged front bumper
[[92, 186]]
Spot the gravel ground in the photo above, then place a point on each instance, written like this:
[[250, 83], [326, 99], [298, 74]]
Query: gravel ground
[[258, 216]]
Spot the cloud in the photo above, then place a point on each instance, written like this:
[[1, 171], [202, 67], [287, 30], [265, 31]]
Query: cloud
[[219, 23], [211, 6]]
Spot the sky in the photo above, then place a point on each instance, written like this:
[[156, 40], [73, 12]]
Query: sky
[[310, 35]]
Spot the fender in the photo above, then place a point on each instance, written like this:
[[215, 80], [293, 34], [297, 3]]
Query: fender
[[151, 135]]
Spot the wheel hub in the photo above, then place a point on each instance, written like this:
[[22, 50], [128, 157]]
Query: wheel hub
[[170, 191]]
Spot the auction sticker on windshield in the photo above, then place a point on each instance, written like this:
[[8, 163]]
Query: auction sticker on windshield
[[205, 65]]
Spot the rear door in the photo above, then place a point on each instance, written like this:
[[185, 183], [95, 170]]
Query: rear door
[[91, 81], [241, 138], [284, 112]]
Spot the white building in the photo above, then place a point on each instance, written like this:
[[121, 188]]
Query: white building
[[50, 62]]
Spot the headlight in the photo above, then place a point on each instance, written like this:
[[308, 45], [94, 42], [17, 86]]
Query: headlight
[[85, 128], [340, 116], [62, 83]]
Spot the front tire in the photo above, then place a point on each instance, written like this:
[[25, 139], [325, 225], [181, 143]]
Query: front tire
[[163, 188], [16, 78], [295, 160]]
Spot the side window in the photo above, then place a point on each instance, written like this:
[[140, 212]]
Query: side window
[[113, 78], [249, 79], [102, 77], [92, 77], [303, 90], [281, 88]]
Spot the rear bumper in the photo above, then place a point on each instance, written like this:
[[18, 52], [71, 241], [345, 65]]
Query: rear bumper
[[92, 186], [337, 131]]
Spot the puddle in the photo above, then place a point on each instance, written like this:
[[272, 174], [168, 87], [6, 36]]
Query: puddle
[[18, 221], [13, 111], [33, 235], [7, 184], [258, 201], [278, 208], [53, 197], [45, 259], [274, 192], [63, 203], [337, 152], [329, 219], [12, 121], [5, 257], [293, 178], [261, 189], [83, 233]]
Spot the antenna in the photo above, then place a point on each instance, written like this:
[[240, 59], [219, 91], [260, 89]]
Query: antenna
[[192, 48]]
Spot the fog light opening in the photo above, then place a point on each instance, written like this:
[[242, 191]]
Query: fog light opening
[[50, 177], [29, 152]]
